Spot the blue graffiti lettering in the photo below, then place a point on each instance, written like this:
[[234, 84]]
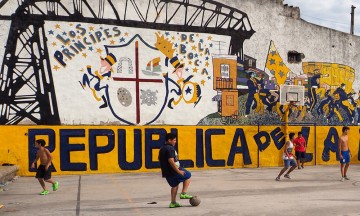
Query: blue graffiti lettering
[[151, 144], [66, 148], [208, 148], [278, 136], [262, 145], [122, 152], [94, 150], [199, 148], [243, 149], [329, 145]]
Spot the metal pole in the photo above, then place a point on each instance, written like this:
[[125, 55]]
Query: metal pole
[[258, 150], [286, 119], [286, 123], [315, 144], [352, 19]]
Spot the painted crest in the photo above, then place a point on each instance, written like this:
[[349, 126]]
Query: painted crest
[[138, 91]]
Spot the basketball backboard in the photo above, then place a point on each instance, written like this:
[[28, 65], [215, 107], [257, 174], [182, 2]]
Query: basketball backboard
[[292, 93]]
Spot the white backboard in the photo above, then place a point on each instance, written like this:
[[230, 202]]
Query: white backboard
[[293, 93]]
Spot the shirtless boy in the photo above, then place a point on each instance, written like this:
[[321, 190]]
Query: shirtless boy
[[344, 153], [43, 172]]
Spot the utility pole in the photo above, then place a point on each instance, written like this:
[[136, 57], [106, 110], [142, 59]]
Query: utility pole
[[352, 19]]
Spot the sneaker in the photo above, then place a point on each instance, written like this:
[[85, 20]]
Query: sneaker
[[174, 205], [342, 179], [299, 167], [287, 176], [185, 196], [277, 179], [302, 166], [55, 186], [45, 192], [346, 178]]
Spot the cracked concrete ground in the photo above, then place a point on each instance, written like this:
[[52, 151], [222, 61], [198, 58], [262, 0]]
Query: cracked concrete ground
[[315, 190]]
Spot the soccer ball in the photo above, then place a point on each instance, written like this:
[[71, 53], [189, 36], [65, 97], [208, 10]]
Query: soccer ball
[[195, 201]]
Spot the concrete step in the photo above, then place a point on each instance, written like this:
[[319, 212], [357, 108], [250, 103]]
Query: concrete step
[[7, 173]]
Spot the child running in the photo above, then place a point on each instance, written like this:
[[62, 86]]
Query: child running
[[288, 158], [43, 173]]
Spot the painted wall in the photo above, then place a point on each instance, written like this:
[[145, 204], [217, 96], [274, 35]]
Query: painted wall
[[139, 85], [111, 149], [72, 74], [139, 88]]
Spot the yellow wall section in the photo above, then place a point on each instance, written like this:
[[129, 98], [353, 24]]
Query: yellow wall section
[[338, 74], [213, 142]]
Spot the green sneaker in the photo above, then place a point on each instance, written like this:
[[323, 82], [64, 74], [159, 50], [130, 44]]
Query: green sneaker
[[55, 186], [45, 192], [174, 205], [185, 196]]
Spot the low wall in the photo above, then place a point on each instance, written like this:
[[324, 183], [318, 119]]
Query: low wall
[[115, 149]]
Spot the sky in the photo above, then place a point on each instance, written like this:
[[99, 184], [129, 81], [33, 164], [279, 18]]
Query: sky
[[334, 14]]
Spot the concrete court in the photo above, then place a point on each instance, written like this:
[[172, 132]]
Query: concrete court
[[315, 190]]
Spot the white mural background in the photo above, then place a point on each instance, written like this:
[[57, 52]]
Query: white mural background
[[77, 104]]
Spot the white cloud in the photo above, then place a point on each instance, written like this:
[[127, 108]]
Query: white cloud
[[329, 13]]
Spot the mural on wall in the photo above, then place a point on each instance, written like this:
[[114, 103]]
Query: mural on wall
[[92, 69], [138, 79], [154, 67], [128, 75], [329, 95], [115, 149]]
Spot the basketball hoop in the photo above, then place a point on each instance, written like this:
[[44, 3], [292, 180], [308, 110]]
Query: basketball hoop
[[294, 103], [293, 95]]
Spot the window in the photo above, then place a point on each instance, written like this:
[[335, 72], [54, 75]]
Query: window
[[295, 57], [225, 70]]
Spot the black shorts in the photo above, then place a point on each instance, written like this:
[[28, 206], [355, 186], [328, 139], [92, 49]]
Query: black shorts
[[300, 155], [42, 173]]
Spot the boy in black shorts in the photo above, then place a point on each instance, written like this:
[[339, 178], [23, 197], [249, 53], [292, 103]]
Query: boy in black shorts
[[172, 171], [44, 170], [300, 150]]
